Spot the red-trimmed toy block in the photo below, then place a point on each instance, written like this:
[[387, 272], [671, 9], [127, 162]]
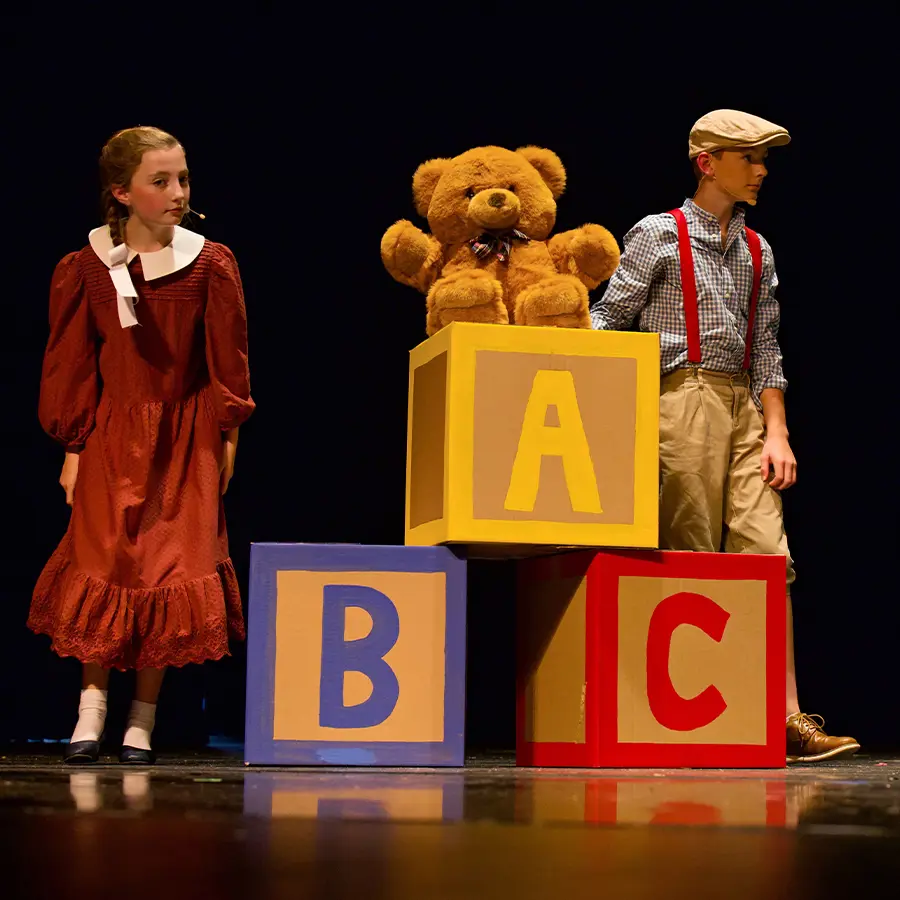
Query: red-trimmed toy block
[[651, 659]]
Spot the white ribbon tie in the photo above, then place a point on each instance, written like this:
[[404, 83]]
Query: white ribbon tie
[[126, 295]]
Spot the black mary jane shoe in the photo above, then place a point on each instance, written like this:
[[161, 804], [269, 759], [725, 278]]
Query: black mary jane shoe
[[82, 753], [132, 756]]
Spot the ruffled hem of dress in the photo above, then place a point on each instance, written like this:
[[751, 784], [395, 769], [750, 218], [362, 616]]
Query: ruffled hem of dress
[[131, 628]]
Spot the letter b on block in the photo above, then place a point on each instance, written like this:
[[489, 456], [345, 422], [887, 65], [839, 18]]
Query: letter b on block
[[365, 655]]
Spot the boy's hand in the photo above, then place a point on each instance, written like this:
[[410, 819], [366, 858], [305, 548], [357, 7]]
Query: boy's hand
[[778, 456]]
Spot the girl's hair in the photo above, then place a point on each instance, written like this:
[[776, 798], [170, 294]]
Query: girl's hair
[[120, 157]]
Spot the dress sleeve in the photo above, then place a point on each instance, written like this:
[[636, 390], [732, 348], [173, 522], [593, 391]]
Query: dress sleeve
[[226, 342], [69, 377]]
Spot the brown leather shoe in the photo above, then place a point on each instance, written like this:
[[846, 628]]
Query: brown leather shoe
[[807, 741]]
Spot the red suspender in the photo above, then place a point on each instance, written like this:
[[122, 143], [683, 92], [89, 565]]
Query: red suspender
[[756, 256], [689, 289]]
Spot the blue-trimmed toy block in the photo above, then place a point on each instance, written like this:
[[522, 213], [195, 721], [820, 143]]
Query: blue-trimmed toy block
[[356, 656]]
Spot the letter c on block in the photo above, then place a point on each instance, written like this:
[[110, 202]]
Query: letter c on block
[[669, 708]]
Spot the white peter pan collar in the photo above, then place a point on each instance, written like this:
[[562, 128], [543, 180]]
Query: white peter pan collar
[[184, 249]]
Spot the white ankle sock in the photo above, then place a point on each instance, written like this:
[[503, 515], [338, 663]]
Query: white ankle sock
[[140, 725], [91, 715]]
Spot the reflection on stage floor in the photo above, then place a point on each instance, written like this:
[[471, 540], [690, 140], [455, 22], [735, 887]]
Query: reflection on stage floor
[[205, 825]]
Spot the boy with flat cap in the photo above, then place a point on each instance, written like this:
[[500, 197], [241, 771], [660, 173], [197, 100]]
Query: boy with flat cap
[[706, 283]]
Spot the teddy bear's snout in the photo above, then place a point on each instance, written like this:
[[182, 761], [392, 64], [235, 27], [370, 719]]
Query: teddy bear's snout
[[495, 208]]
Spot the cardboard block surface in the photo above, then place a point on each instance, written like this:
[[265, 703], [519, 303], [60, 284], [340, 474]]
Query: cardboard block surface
[[533, 436], [356, 655], [652, 659]]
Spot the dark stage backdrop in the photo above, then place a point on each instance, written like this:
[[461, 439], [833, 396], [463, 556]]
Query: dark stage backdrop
[[302, 136]]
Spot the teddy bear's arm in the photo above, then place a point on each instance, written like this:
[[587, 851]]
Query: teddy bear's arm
[[411, 256], [590, 253]]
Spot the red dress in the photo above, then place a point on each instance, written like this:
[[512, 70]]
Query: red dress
[[143, 576]]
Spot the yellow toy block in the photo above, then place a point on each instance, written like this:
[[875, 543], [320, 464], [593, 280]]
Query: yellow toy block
[[522, 437]]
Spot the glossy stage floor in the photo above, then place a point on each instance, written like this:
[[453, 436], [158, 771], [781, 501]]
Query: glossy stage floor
[[206, 826]]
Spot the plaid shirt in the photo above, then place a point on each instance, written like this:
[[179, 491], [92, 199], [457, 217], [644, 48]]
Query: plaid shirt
[[648, 282]]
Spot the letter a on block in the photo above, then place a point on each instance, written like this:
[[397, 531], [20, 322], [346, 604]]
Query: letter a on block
[[669, 708], [568, 440], [364, 655]]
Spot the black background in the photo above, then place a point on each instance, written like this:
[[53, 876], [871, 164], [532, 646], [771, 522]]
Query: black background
[[303, 131]]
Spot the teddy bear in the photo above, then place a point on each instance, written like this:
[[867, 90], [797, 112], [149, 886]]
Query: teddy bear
[[489, 257]]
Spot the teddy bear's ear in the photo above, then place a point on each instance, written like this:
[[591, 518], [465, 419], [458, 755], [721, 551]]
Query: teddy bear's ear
[[549, 165], [425, 181]]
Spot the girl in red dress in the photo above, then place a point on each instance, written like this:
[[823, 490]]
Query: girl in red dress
[[145, 381]]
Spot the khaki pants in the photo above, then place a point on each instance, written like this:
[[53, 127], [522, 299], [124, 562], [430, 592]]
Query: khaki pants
[[710, 443]]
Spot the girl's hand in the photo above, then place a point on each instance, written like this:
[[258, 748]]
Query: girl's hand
[[69, 476], [226, 464]]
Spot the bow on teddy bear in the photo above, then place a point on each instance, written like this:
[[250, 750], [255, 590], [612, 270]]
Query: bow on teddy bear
[[488, 257]]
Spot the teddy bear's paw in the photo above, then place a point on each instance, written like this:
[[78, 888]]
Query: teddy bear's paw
[[590, 253], [468, 296], [406, 249], [560, 301], [595, 252]]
